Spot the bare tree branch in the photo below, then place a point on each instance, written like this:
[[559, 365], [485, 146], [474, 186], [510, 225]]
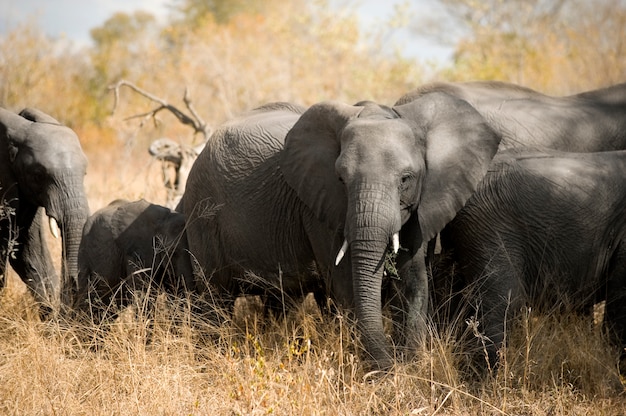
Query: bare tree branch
[[193, 120], [194, 113]]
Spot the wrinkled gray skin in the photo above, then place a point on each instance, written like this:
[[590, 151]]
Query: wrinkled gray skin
[[591, 121], [357, 173], [127, 246], [42, 167], [546, 230]]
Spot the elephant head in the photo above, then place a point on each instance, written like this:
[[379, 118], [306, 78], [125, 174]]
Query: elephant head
[[42, 166], [179, 157], [385, 177]]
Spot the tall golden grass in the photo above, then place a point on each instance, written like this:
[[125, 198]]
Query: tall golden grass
[[161, 357]]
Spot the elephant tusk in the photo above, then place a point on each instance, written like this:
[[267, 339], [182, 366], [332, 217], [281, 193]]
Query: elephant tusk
[[54, 227], [395, 240], [342, 252]]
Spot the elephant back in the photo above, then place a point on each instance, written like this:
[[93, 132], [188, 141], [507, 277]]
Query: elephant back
[[591, 121], [242, 144]]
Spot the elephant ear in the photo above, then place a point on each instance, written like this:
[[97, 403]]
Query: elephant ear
[[312, 147], [12, 127], [459, 148], [38, 116]]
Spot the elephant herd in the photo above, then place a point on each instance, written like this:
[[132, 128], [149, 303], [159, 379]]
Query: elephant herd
[[526, 193]]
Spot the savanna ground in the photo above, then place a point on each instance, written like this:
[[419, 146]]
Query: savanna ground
[[161, 358]]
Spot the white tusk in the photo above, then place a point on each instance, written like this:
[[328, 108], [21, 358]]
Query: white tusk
[[395, 240], [342, 252], [54, 227]]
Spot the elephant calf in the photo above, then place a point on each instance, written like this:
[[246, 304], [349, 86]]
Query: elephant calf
[[547, 230], [127, 246]]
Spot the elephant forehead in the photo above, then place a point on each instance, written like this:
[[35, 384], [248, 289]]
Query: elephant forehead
[[59, 158], [56, 147], [390, 132], [52, 134], [387, 142]]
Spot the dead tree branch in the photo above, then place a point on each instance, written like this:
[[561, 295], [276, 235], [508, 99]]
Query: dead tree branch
[[192, 119]]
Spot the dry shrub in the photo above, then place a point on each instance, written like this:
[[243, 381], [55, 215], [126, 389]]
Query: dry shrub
[[161, 356], [563, 352]]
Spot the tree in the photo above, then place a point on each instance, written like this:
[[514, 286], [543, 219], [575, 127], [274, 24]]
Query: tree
[[291, 51], [196, 12], [49, 74], [121, 45], [552, 45]]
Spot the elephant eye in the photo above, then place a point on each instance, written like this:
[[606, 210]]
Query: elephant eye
[[37, 177], [405, 180], [408, 186]]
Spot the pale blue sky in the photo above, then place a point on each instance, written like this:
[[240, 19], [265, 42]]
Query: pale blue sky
[[74, 18]]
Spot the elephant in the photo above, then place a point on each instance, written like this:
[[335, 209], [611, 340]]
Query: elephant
[[42, 169], [545, 229], [219, 246], [128, 245], [315, 199], [180, 158], [590, 121]]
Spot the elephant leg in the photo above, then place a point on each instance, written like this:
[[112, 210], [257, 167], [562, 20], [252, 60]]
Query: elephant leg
[[183, 283], [615, 307], [489, 329], [216, 304], [32, 260], [206, 252], [341, 289], [334, 288], [96, 300], [615, 316], [320, 294], [408, 301], [497, 298], [273, 306], [446, 283], [4, 246], [446, 287]]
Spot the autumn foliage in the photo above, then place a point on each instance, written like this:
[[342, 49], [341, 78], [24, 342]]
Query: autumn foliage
[[232, 57]]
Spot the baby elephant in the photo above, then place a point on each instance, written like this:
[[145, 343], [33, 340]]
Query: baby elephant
[[545, 230], [127, 246]]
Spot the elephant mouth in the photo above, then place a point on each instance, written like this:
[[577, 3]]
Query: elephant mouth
[[395, 246]]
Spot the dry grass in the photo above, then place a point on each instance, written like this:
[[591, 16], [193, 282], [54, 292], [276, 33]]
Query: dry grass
[[158, 357]]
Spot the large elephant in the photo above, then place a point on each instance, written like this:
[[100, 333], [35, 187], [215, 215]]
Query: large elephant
[[591, 121], [129, 246], [234, 201], [293, 191], [544, 229], [42, 168]]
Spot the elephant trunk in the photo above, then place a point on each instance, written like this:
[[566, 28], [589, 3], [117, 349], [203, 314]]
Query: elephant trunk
[[370, 229], [71, 212], [72, 233]]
